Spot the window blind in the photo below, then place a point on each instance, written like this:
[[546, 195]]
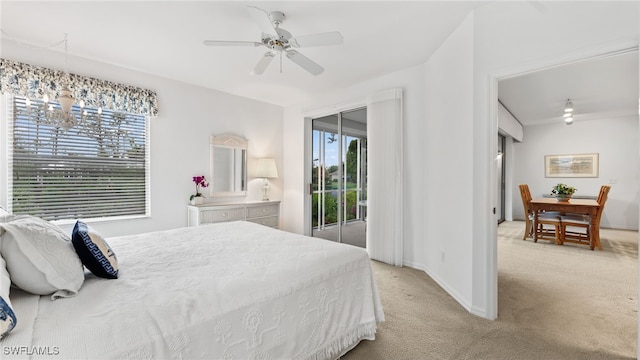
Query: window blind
[[96, 169]]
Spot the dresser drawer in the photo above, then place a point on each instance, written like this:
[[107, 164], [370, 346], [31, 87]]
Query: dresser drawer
[[271, 221], [220, 215], [262, 210]]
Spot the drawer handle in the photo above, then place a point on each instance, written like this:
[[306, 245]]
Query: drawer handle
[[224, 214], [264, 210]]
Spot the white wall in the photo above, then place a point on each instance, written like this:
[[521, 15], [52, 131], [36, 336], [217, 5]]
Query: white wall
[[447, 168], [616, 142], [179, 135]]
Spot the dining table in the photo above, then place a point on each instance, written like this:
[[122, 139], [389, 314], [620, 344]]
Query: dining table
[[574, 206]]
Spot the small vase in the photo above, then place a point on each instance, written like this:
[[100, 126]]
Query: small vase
[[197, 200], [563, 197]]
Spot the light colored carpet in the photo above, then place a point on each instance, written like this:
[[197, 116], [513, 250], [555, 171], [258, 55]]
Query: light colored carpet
[[555, 302]]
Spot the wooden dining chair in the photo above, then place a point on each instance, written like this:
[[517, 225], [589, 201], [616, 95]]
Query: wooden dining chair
[[576, 228], [548, 223], [525, 194], [548, 229]]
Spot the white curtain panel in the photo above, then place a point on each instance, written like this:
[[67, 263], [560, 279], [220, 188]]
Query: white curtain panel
[[385, 176]]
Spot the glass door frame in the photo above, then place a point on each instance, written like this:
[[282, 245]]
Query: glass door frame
[[343, 144], [502, 181]]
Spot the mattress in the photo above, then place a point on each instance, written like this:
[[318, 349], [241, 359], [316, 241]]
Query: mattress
[[234, 290]]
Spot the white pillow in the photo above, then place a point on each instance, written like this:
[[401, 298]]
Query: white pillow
[[7, 316], [4, 214], [40, 257]]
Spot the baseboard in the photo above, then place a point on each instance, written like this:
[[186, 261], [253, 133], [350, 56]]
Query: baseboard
[[479, 312], [617, 227]]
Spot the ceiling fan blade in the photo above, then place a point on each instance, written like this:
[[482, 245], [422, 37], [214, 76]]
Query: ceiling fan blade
[[304, 62], [324, 39], [230, 43], [263, 63], [261, 17]]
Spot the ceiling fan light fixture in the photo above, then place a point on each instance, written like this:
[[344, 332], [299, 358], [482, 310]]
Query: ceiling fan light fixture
[[568, 112], [277, 18], [568, 107], [279, 41]]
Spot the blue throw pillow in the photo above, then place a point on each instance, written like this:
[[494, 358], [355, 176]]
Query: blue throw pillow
[[94, 252], [7, 316]]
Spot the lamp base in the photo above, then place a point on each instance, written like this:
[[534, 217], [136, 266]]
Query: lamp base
[[265, 189]]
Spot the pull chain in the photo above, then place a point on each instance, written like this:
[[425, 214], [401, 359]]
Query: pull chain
[[66, 59], [66, 54]]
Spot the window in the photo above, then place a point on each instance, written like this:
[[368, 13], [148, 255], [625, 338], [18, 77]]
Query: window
[[96, 169]]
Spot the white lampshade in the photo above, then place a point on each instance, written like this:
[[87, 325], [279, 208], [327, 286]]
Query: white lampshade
[[266, 168]]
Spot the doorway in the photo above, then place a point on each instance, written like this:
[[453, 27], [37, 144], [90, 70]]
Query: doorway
[[522, 165], [339, 177]]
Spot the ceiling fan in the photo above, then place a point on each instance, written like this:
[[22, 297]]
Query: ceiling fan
[[279, 41]]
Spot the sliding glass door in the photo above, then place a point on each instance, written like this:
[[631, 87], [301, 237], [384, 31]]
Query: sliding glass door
[[339, 177], [501, 178]]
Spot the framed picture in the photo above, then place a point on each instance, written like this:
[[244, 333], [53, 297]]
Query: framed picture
[[572, 165]]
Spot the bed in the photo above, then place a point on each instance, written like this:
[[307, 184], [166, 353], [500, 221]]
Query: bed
[[235, 290]]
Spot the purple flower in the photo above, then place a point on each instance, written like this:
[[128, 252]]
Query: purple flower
[[200, 181]]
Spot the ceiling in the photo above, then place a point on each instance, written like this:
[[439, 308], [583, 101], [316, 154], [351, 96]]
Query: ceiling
[[165, 38], [602, 87]]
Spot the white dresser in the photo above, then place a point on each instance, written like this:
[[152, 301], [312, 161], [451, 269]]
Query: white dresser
[[266, 213]]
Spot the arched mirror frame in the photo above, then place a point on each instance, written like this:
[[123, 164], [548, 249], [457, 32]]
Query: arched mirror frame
[[238, 180]]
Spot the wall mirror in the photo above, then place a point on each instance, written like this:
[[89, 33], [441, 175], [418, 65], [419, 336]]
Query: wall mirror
[[228, 165]]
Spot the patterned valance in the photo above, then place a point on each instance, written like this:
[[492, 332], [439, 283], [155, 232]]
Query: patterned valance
[[34, 82]]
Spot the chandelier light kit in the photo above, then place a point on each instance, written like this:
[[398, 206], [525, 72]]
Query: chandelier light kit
[[46, 96], [568, 112], [63, 116]]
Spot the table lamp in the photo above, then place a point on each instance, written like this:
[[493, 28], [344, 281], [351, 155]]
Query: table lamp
[[266, 168]]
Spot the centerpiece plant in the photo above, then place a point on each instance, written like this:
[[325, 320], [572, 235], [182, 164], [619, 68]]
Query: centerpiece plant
[[563, 190]]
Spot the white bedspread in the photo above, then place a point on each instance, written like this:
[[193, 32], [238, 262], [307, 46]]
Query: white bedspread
[[224, 291]]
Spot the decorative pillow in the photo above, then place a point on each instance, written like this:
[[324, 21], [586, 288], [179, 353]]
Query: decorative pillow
[[7, 316], [94, 252], [40, 257]]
